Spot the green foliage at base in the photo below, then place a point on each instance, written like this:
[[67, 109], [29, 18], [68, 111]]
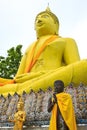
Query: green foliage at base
[[9, 65]]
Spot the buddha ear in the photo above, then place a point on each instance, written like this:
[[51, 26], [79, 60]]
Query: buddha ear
[[56, 29]]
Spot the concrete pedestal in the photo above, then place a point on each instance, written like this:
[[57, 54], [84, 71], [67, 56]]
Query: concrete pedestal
[[79, 127]]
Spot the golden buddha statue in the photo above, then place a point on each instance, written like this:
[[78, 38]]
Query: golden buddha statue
[[49, 58], [19, 116]]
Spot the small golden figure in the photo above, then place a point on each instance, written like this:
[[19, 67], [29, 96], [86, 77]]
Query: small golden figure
[[19, 116]]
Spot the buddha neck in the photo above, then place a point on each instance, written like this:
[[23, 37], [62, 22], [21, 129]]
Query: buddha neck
[[44, 37]]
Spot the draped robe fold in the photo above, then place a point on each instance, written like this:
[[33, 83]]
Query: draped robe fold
[[67, 111]]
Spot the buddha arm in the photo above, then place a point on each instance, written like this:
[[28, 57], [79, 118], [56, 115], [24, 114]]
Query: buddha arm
[[71, 53], [23, 118], [23, 63]]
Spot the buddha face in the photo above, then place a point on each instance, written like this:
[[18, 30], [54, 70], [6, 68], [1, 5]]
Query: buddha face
[[19, 106], [45, 25]]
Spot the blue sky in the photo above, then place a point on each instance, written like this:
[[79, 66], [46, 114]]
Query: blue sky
[[17, 22]]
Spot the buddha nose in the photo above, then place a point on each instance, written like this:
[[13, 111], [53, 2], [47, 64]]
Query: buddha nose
[[38, 21]]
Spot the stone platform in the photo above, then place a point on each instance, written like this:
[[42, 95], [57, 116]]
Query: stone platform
[[80, 127]]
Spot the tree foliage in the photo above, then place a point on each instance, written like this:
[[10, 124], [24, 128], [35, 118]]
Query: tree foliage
[[9, 65]]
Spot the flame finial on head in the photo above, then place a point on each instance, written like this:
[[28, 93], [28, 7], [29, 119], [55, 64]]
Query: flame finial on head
[[48, 8], [20, 101]]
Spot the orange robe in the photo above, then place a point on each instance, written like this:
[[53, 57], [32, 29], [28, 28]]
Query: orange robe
[[66, 108]]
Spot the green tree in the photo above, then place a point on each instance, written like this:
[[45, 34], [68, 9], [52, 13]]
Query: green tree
[[9, 65]]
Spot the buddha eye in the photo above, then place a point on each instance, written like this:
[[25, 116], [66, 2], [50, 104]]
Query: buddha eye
[[45, 16]]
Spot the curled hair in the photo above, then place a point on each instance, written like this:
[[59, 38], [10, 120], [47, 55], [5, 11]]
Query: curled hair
[[51, 14]]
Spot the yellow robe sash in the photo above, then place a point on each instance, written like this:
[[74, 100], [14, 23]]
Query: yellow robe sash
[[67, 111], [31, 58], [4, 81]]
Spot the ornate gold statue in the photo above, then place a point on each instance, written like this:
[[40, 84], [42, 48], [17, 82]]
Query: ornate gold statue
[[49, 58], [19, 116]]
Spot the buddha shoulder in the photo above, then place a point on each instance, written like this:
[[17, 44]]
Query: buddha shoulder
[[59, 41], [69, 41], [65, 40], [29, 48]]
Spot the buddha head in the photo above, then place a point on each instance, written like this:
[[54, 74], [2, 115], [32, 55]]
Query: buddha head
[[46, 23], [20, 104]]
